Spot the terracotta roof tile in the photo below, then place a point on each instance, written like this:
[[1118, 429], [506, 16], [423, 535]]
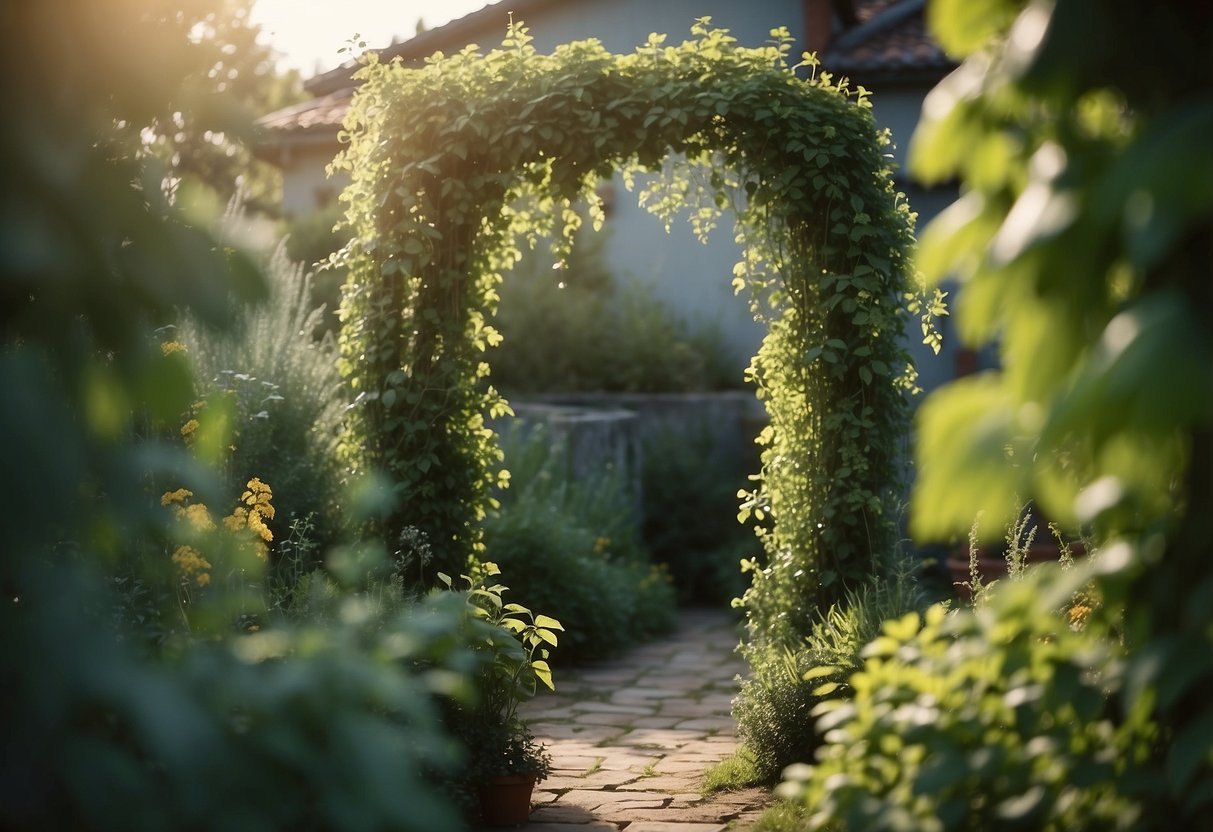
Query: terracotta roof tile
[[891, 41], [320, 114]]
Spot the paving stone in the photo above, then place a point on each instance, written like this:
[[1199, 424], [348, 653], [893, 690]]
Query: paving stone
[[602, 779], [680, 682], [613, 720], [591, 826], [631, 709], [561, 813], [671, 826], [611, 801], [665, 783], [707, 723], [700, 814], [630, 694], [591, 734], [565, 762], [683, 766], [628, 759], [658, 738], [655, 721]]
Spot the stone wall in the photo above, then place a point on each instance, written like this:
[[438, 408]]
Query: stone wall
[[611, 429]]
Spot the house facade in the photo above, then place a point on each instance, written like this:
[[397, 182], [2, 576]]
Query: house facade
[[881, 44]]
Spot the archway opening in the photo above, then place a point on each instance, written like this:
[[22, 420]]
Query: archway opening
[[456, 165]]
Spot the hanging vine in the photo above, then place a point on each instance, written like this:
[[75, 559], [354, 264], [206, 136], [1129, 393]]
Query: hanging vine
[[457, 164]]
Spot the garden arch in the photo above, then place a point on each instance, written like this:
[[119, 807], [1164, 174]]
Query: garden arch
[[453, 165]]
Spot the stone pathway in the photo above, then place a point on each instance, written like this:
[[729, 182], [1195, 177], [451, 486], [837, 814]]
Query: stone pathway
[[632, 737]]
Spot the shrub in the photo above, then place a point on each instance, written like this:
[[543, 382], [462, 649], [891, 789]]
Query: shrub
[[775, 704], [690, 514], [580, 329], [1002, 717], [288, 396], [571, 548]]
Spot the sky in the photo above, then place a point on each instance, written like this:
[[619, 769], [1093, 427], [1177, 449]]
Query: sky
[[308, 33]]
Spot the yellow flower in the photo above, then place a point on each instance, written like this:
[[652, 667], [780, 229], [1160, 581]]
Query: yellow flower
[[258, 527], [192, 564], [1079, 613], [237, 520], [170, 347], [258, 494], [199, 517], [178, 496]]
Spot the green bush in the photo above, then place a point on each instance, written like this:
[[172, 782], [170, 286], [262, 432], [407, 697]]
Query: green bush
[[775, 704], [571, 548], [579, 329], [288, 393], [1004, 717], [690, 514]]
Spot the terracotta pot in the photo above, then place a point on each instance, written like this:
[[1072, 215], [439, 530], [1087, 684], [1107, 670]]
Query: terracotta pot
[[506, 801]]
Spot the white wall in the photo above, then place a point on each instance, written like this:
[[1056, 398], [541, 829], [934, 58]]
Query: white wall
[[304, 184]]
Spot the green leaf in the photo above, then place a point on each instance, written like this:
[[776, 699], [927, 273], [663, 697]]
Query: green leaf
[[548, 622], [543, 673], [819, 673]]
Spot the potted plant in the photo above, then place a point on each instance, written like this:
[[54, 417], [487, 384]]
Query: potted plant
[[507, 761]]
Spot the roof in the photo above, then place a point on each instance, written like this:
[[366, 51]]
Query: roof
[[451, 37], [317, 115], [889, 44], [882, 40]]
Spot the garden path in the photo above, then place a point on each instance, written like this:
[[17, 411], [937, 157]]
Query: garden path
[[632, 737]]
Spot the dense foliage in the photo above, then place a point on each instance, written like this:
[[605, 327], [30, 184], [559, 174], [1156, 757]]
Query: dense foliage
[[455, 163], [285, 727], [690, 484], [996, 720], [1082, 245]]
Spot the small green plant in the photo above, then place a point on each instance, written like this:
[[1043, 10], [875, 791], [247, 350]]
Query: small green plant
[[785, 816], [514, 646]]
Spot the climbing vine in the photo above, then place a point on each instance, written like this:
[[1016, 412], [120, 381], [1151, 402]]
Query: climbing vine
[[456, 165]]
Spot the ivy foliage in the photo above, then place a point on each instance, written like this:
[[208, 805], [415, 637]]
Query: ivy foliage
[[458, 163]]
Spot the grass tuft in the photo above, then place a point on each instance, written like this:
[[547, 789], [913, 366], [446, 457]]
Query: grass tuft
[[732, 774]]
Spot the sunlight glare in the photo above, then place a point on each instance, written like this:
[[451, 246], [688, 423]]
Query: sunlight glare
[[308, 34]]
